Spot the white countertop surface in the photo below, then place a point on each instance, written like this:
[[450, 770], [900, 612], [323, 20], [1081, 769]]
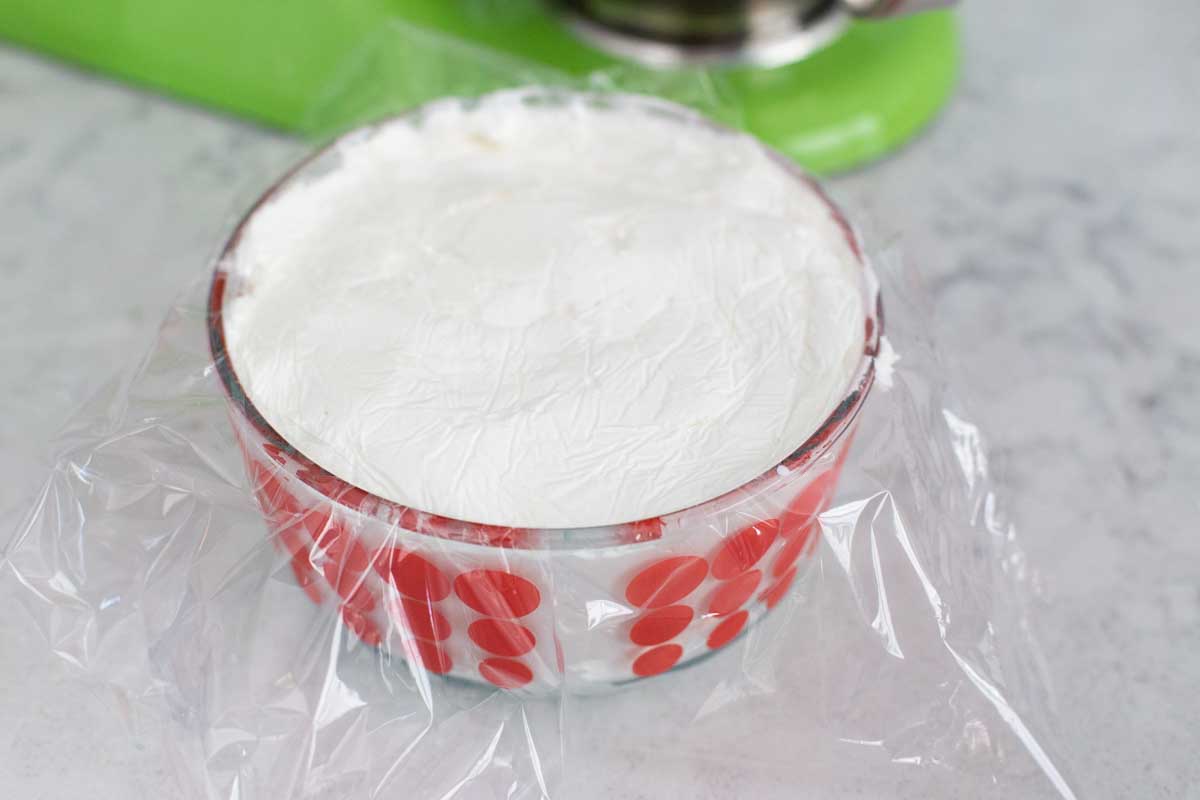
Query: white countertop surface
[[1052, 212]]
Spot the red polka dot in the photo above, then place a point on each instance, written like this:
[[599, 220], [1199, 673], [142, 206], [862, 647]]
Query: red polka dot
[[505, 673], [742, 551], [807, 505], [660, 659], [414, 576], [382, 562], [357, 596], [792, 549], [728, 630], [364, 628], [660, 625], [434, 658], [308, 578], [424, 621], [729, 596], [501, 637], [776, 591], [666, 582], [497, 594]]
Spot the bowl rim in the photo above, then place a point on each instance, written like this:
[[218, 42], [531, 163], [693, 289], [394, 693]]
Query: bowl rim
[[338, 490]]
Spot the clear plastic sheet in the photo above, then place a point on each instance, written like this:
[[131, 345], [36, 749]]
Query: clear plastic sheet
[[880, 647]]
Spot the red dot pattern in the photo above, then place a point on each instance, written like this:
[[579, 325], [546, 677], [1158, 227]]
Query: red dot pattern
[[805, 507], [660, 625], [776, 591], [793, 548], [658, 660], [424, 621], [729, 596], [344, 564], [502, 597], [497, 594], [661, 585], [265, 487], [743, 550], [728, 630], [505, 673], [312, 536], [415, 576], [666, 582], [502, 637]]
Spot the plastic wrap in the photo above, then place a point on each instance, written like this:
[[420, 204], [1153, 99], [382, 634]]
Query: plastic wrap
[[852, 623]]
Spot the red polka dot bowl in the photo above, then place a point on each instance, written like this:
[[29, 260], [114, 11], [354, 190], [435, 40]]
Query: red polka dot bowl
[[541, 610]]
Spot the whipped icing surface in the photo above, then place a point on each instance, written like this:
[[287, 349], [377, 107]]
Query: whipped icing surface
[[545, 314]]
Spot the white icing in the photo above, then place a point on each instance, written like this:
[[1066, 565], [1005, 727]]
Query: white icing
[[546, 315]]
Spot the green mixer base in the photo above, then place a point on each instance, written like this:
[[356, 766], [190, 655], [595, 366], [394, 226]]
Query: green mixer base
[[322, 65]]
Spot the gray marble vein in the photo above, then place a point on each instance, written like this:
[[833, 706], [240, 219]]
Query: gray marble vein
[[1052, 213]]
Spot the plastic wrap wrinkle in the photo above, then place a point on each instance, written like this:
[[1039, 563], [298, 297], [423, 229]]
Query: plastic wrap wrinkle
[[896, 659], [907, 638], [560, 313]]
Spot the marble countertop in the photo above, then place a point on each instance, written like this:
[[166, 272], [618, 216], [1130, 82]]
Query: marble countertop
[[1051, 211]]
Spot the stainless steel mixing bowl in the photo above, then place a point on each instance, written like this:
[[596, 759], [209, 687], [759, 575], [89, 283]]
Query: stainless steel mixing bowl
[[762, 32]]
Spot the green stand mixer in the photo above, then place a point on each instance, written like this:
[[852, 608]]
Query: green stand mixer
[[832, 83]]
